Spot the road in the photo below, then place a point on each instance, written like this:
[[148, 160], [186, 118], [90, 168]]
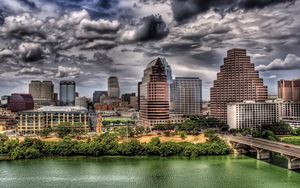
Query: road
[[278, 147]]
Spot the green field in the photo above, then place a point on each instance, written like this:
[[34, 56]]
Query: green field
[[291, 139]]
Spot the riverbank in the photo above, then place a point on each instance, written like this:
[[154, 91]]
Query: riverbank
[[109, 145]]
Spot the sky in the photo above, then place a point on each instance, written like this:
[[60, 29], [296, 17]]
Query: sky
[[90, 40]]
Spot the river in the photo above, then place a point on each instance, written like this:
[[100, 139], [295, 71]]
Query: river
[[146, 172]]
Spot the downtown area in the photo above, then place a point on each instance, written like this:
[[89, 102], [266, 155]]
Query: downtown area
[[150, 93], [166, 117]]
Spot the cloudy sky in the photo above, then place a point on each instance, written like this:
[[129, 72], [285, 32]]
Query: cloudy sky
[[89, 40]]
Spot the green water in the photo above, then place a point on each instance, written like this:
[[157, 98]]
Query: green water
[[146, 172]]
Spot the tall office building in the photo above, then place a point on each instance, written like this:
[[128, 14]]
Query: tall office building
[[168, 72], [42, 92], [67, 93], [113, 87], [237, 81], [289, 90], [97, 95], [154, 94], [187, 95], [35, 89]]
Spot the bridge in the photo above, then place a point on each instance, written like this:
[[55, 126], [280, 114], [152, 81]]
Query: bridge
[[264, 149]]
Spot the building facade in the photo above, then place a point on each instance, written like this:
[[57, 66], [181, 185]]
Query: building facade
[[34, 121], [154, 95], [289, 90], [237, 81], [82, 101], [251, 114], [97, 96], [19, 102], [42, 92], [113, 87], [67, 93], [187, 95]]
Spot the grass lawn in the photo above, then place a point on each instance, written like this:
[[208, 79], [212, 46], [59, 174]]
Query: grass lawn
[[291, 139]]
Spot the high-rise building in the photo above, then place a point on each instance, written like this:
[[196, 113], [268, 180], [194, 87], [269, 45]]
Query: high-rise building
[[42, 92], [97, 95], [35, 89], [67, 93], [19, 102], [187, 95], [113, 87], [237, 81], [154, 94], [289, 90], [168, 72]]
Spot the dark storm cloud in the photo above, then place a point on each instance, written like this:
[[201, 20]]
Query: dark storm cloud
[[184, 9], [151, 27], [31, 51]]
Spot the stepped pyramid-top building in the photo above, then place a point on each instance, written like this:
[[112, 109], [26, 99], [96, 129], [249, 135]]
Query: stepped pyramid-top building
[[237, 81]]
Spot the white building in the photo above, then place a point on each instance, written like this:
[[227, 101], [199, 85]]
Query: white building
[[250, 114]]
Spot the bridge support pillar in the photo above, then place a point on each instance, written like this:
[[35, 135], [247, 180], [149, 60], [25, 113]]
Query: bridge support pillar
[[293, 163], [262, 154]]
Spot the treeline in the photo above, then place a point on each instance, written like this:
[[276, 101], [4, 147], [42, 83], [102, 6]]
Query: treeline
[[270, 131], [107, 145], [193, 125]]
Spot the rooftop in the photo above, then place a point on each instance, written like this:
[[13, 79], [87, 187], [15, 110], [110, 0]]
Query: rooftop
[[59, 109]]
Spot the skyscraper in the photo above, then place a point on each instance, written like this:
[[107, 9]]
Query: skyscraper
[[113, 87], [237, 81], [168, 72], [42, 92], [154, 94], [289, 90], [187, 95], [67, 93]]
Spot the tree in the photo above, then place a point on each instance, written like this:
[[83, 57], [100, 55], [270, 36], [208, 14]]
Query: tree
[[45, 132], [32, 153], [139, 130], [133, 147], [182, 135], [269, 135]]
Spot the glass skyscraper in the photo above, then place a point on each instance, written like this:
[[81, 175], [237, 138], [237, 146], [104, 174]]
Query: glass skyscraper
[[67, 93]]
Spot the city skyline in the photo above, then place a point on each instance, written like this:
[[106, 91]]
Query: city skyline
[[88, 41]]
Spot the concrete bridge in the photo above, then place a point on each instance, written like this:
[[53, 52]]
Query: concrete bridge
[[264, 148]]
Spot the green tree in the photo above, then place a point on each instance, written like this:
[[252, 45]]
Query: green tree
[[45, 132], [182, 135]]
